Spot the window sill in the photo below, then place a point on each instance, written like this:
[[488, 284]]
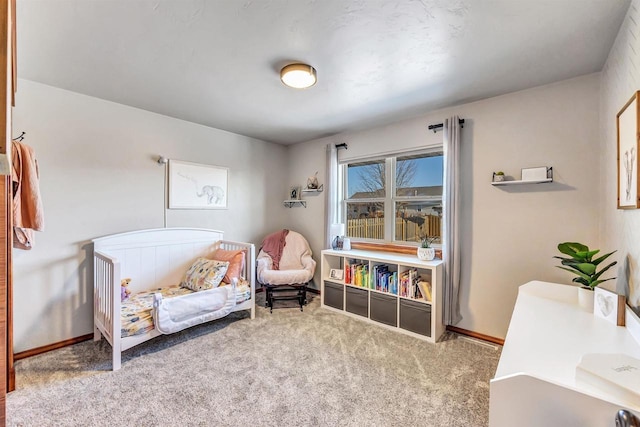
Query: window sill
[[386, 247]]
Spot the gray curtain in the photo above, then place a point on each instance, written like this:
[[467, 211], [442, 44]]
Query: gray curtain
[[331, 192], [451, 229]]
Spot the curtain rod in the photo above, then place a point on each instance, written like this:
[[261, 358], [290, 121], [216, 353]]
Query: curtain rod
[[440, 125], [343, 145]]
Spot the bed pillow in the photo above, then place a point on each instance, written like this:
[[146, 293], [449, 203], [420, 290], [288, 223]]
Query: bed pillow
[[204, 274], [236, 262]]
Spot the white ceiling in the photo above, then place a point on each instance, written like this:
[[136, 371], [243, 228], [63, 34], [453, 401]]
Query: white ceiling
[[217, 62]]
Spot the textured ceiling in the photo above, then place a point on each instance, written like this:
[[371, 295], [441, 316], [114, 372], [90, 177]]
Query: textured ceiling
[[217, 62]]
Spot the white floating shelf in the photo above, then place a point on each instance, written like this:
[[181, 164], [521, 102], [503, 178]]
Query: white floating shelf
[[292, 203], [314, 190], [519, 182]]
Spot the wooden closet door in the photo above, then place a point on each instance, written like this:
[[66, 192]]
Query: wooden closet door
[[7, 380], [8, 78]]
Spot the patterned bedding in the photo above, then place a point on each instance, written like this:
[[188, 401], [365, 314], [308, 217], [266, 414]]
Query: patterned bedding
[[136, 317]]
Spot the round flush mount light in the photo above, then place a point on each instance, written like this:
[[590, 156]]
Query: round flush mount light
[[299, 76]]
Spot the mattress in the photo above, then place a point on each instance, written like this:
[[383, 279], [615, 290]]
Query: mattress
[[137, 318]]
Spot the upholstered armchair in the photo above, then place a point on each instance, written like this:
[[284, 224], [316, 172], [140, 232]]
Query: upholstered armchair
[[284, 263]]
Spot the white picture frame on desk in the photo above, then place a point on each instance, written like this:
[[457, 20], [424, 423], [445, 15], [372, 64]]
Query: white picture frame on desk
[[606, 305]]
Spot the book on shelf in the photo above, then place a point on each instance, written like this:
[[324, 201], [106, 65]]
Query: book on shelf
[[384, 280], [425, 290], [408, 283], [347, 273], [359, 275]]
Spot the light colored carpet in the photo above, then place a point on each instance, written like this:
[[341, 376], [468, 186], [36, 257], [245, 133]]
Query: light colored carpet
[[315, 368]]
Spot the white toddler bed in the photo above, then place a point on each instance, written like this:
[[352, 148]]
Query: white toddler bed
[[159, 258]]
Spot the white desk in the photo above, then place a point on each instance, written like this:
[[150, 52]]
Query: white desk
[[535, 382]]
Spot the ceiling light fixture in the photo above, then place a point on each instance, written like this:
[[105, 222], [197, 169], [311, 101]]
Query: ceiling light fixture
[[299, 76]]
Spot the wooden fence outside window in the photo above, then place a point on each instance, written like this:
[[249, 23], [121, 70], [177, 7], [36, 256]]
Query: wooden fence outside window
[[373, 228]]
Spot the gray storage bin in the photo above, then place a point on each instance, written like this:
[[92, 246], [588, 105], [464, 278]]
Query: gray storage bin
[[358, 301], [384, 308], [415, 317], [333, 295]]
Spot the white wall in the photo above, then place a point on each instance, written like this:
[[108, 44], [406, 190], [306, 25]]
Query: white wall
[[510, 233], [620, 229], [99, 176]]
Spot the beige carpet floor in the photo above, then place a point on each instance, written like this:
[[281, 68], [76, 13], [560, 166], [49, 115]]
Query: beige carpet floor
[[315, 368]]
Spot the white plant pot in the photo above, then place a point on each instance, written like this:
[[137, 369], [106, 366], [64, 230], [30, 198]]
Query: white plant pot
[[585, 299], [498, 178], [426, 254]]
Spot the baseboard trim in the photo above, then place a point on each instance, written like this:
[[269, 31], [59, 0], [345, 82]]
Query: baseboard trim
[[50, 347], [477, 335]]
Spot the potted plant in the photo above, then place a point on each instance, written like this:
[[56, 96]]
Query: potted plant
[[582, 264], [498, 176], [425, 251]]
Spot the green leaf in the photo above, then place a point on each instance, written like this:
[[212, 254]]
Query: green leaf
[[590, 254], [573, 267], [586, 268], [570, 248], [576, 271], [581, 281], [597, 282], [583, 267], [597, 275], [602, 258], [582, 255]]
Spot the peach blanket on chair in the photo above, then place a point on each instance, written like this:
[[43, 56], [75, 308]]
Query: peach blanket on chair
[[273, 245]]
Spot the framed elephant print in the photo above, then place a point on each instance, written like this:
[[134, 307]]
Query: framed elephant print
[[197, 186]]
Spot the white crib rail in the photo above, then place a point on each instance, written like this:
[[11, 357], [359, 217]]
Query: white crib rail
[[106, 307], [249, 269]]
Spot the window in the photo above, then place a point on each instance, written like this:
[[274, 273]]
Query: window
[[395, 199]]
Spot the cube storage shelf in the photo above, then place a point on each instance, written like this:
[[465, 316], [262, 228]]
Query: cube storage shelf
[[386, 306]]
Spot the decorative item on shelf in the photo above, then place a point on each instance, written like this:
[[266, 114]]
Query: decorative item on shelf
[[582, 264], [337, 234], [294, 193], [335, 273], [312, 182], [540, 173], [498, 176], [425, 251], [346, 244]]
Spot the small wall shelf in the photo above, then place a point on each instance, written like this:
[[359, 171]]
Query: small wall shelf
[[314, 190], [292, 203], [537, 179], [518, 182]]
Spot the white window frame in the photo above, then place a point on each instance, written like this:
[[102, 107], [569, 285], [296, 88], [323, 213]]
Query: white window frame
[[390, 198]]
